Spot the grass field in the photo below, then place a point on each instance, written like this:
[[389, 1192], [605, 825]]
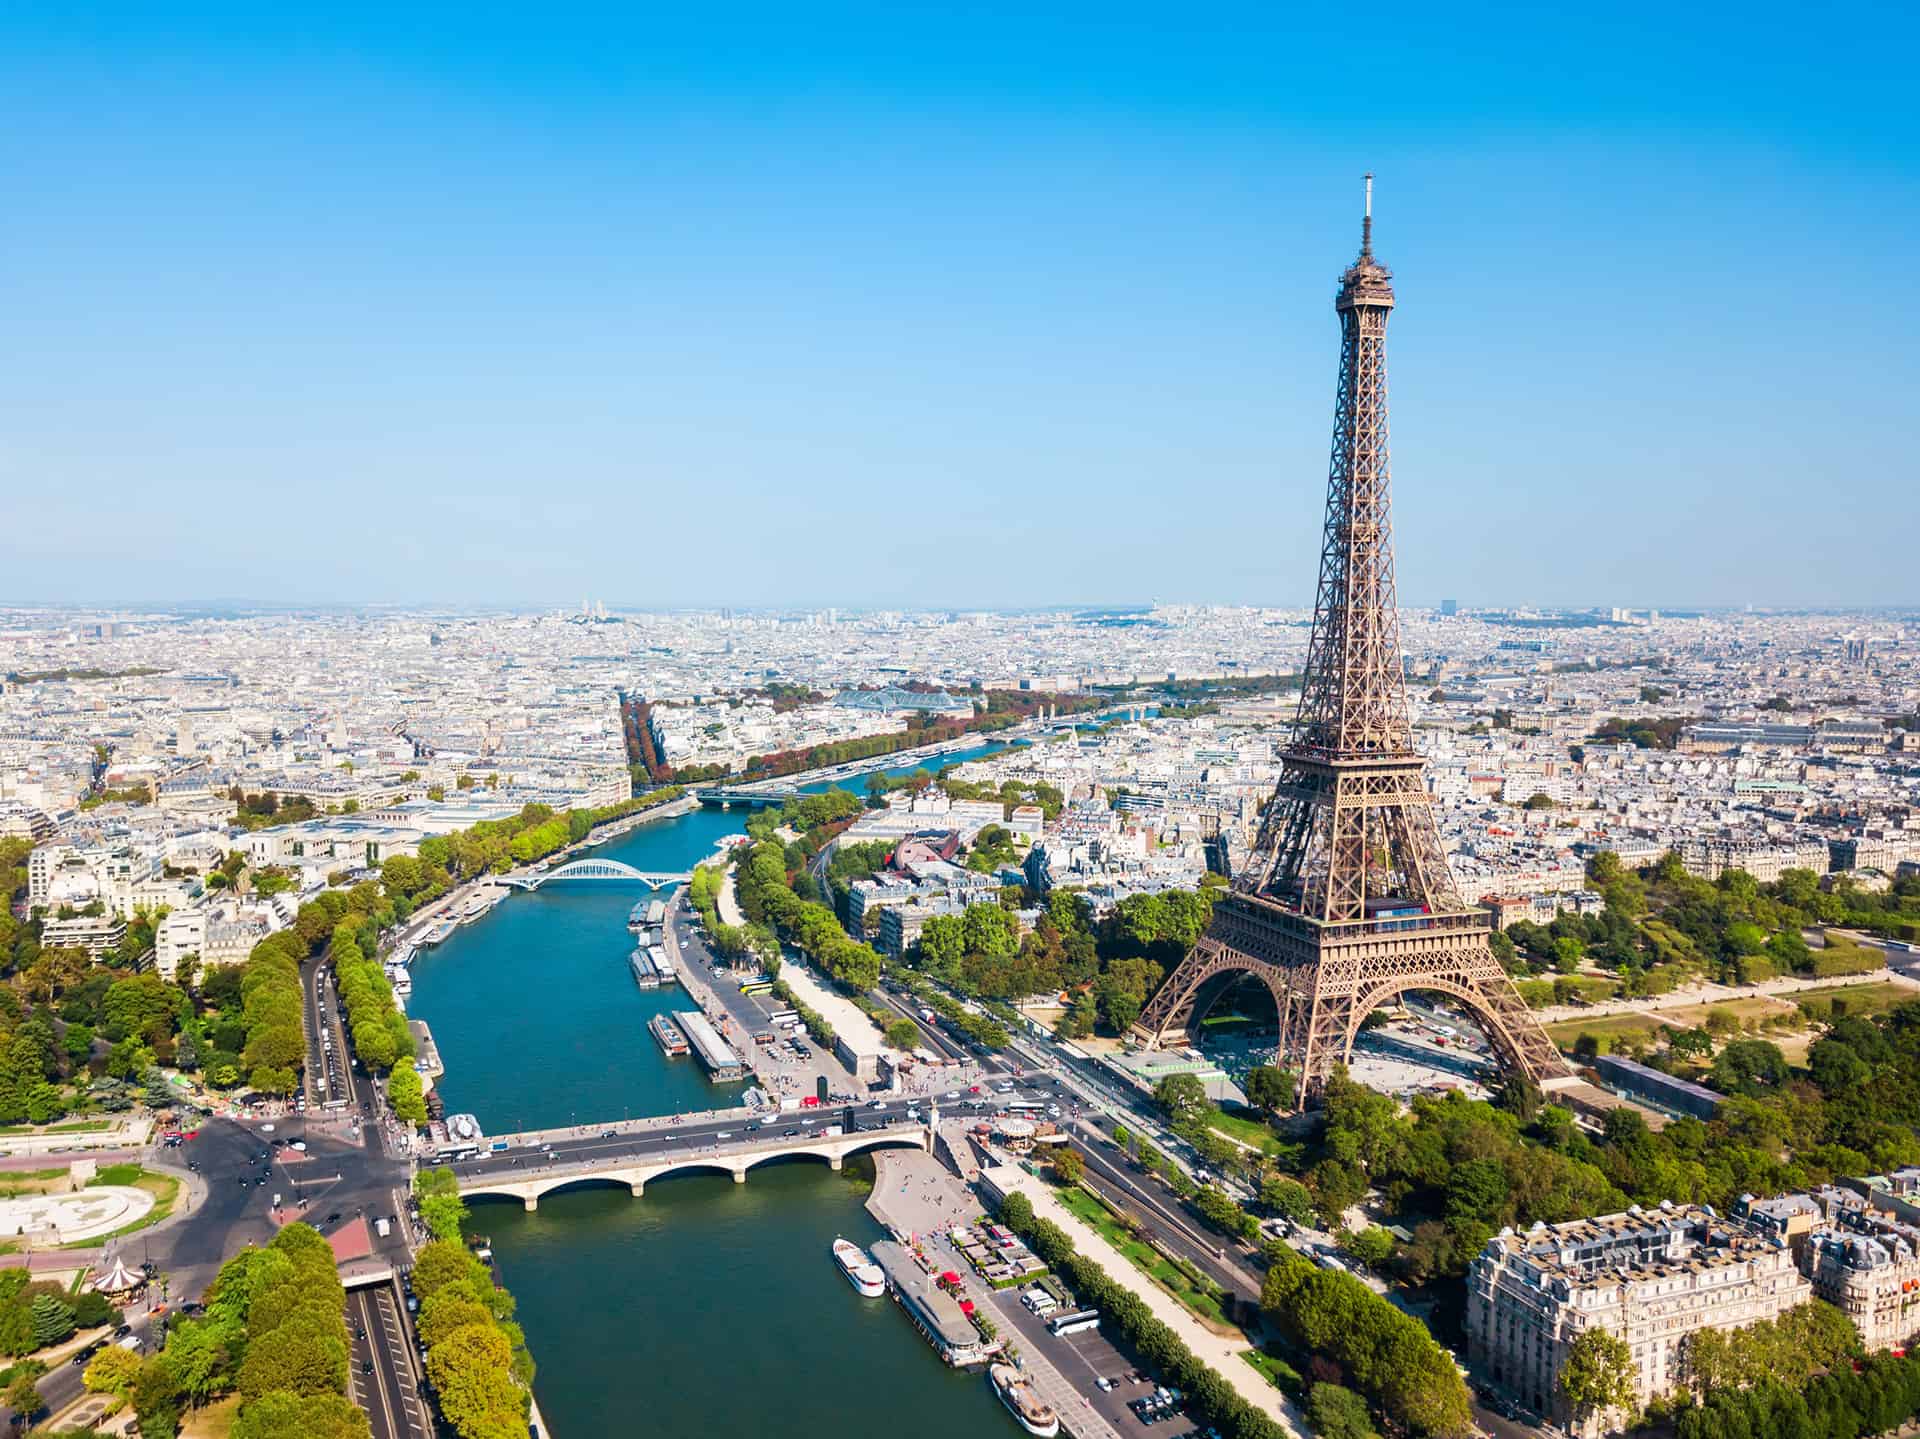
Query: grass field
[[1280, 1374], [1857, 998], [1740, 1010], [1148, 1260], [78, 1126], [1251, 1132], [1606, 1027]]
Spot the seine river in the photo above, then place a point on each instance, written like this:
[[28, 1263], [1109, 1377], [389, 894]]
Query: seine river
[[705, 1307]]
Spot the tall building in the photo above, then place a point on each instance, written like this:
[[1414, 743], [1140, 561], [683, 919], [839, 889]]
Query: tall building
[[1346, 899], [1652, 1277], [1449, 608]]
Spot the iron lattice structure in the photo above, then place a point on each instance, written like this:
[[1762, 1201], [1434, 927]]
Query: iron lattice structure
[[1346, 899]]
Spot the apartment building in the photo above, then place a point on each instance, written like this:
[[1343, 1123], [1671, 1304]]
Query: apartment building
[[1653, 1277]]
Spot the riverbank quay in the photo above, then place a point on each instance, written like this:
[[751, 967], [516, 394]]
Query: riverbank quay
[[1223, 1355], [920, 1202]]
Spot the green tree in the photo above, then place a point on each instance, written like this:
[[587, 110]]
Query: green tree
[[1598, 1373], [1181, 1097], [1269, 1088], [1068, 1166], [471, 1371], [1337, 1412], [52, 1320], [23, 1395], [112, 1371], [407, 1095], [902, 1034], [306, 1353], [281, 1415]]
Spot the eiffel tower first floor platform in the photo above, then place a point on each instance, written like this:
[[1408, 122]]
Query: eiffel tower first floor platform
[[1326, 978]]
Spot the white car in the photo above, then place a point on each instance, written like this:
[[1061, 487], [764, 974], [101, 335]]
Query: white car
[[878, 1104], [951, 1094]]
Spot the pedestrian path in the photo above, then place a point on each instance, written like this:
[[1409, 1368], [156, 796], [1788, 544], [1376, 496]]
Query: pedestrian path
[[1221, 1354]]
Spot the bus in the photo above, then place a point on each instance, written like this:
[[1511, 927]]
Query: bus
[[756, 986], [1062, 1325], [785, 1016], [1026, 1106]]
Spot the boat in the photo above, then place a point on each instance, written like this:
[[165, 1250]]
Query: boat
[[862, 1273], [637, 917], [644, 974], [662, 966], [667, 1035], [1023, 1402]]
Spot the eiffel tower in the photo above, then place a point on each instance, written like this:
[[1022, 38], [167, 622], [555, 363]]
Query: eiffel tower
[[1346, 900]]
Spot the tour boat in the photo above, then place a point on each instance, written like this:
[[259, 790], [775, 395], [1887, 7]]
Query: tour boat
[[862, 1273], [1016, 1391]]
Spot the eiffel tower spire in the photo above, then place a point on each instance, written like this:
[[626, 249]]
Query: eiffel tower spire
[[1346, 899]]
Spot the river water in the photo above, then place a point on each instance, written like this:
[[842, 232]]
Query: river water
[[705, 1307]]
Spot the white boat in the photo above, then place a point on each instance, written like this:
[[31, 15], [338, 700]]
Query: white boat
[[1023, 1402], [862, 1273]]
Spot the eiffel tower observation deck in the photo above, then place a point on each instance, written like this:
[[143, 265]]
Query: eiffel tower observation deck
[[1345, 900]]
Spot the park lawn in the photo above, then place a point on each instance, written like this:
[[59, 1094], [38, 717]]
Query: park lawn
[[1250, 1132], [1739, 1010], [213, 1422], [30, 1181], [1276, 1371], [1148, 1260], [78, 1126], [1604, 1027], [1859, 998]]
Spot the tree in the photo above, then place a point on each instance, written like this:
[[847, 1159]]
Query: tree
[[452, 1308], [471, 1370], [112, 1371], [305, 1353], [1750, 1067], [407, 1095], [1068, 1166], [902, 1034], [1598, 1373], [1288, 1198], [23, 1395], [1269, 1088], [52, 1320], [1181, 1097], [1338, 1413], [91, 1310], [280, 1415]]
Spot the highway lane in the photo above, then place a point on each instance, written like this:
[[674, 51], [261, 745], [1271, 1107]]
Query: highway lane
[[381, 1365]]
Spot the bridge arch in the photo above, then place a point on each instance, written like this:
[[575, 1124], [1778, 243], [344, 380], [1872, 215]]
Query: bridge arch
[[1200, 988], [834, 1153], [1506, 1052]]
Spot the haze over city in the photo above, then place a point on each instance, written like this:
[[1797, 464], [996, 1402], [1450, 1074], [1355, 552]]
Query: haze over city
[[465, 304]]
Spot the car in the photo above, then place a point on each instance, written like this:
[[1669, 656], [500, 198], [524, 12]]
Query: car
[[366, 1366], [334, 1218], [789, 1133], [753, 1125], [878, 1104], [1105, 1384], [951, 1094], [123, 1331], [609, 1134], [299, 1146], [724, 1134]]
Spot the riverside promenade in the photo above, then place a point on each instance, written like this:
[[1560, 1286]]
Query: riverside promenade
[[1221, 1354]]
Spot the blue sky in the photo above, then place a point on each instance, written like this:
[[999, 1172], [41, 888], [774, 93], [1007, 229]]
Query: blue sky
[[982, 305]]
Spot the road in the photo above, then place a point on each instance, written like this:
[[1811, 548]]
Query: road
[[382, 1366], [612, 1145], [329, 1075]]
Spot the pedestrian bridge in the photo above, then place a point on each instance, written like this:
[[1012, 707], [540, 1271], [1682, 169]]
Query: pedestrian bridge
[[602, 869], [759, 797], [636, 1170]]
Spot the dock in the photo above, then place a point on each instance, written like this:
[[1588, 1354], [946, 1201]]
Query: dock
[[713, 1052]]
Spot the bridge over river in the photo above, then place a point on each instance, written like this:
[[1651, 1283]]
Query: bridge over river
[[539, 1162], [596, 869]]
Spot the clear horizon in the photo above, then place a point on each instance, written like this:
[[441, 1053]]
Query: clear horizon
[[457, 307]]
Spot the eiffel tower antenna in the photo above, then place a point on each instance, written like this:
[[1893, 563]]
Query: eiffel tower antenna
[[1346, 900]]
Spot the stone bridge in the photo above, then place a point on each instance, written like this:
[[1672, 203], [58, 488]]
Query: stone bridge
[[637, 1170]]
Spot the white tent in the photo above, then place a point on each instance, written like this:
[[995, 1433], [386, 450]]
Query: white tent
[[118, 1279]]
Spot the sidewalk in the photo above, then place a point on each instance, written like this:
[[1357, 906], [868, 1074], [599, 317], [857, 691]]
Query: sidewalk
[[1221, 1354], [1707, 993]]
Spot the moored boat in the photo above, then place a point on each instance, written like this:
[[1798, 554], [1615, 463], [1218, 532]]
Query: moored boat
[[862, 1273], [1023, 1402], [644, 974], [667, 1035]]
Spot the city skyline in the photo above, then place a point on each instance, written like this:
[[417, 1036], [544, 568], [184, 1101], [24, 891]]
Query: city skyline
[[970, 302]]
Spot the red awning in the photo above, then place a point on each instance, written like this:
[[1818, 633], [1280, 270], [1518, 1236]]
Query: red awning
[[949, 1278]]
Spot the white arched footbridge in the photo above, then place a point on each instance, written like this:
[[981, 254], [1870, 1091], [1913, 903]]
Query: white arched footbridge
[[600, 869], [636, 1165]]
